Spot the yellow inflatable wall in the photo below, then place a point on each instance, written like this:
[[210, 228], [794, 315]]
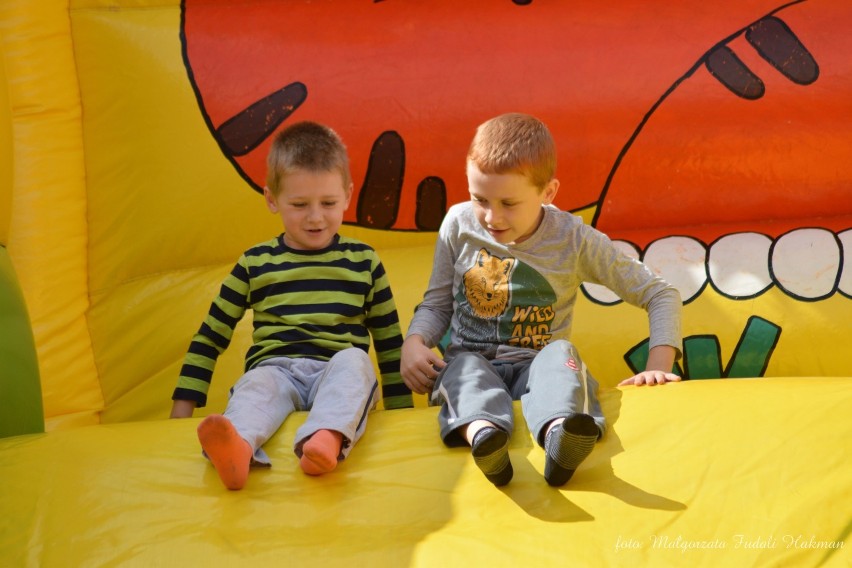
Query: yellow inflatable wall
[[710, 139]]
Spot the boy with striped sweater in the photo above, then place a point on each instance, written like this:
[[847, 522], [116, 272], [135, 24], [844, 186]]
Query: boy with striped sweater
[[317, 298]]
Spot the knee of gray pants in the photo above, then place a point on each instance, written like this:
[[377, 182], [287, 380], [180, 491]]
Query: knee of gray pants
[[560, 384], [260, 402]]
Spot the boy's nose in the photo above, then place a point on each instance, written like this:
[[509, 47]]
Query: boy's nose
[[492, 216], [314, 213]]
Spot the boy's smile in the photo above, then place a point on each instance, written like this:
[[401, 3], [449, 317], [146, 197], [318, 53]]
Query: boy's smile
[[311, 206], [508, 206]]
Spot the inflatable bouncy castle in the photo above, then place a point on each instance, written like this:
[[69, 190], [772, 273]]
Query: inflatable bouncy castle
[[711, 140]]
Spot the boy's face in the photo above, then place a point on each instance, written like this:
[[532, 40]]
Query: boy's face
[[311, 206], [508, 206]]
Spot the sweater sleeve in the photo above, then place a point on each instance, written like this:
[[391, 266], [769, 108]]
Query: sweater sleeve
[[383, 323], [433, 315], [637, 285], [213, 337]]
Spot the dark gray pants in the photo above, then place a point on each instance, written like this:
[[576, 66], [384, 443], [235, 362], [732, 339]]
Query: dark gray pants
[[553, 384]]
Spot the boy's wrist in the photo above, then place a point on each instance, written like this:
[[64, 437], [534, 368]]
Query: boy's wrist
[[415, 338]]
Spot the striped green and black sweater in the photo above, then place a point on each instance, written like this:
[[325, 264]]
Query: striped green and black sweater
[[306, 304]]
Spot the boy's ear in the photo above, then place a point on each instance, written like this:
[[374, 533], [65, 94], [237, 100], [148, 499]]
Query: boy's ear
[[270, 200], [349, 195], [550, 191]]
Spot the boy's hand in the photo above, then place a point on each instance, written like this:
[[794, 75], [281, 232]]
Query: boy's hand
[[419, 365], [650, 378]]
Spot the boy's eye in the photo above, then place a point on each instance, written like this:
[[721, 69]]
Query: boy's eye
[[329, 203]]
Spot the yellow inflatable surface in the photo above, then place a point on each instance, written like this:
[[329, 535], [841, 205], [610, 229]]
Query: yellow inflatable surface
[[709, 139], [739, 473]]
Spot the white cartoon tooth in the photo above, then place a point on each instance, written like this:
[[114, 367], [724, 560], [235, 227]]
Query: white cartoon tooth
[[681, 262], [805, 263], [738, 265], [602, 294], [845, 284]]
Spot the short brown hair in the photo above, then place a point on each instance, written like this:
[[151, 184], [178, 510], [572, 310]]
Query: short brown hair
[[515, 143], [306, 146]]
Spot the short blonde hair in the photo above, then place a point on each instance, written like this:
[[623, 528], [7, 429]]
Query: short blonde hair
[[306, 146], [515, 143]]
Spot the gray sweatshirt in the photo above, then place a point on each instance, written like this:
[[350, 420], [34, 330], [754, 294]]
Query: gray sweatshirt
[[509, 301]]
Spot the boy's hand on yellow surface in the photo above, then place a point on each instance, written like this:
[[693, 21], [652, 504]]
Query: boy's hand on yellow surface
[[420, 365], [650, 378]]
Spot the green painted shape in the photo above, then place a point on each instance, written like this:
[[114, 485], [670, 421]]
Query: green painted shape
[[701, 357], [21, 410], [752, 353], [637, 358]]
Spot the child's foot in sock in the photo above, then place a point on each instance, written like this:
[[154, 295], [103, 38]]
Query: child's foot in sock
[[229, 453], [490, 449], [320, 452], [566, 445]]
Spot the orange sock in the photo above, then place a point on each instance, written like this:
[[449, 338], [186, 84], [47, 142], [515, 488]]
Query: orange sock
[[228, 452], [319, 453]]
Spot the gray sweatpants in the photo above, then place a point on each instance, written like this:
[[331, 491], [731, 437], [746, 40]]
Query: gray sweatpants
[[339, 393], [553, 384]]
